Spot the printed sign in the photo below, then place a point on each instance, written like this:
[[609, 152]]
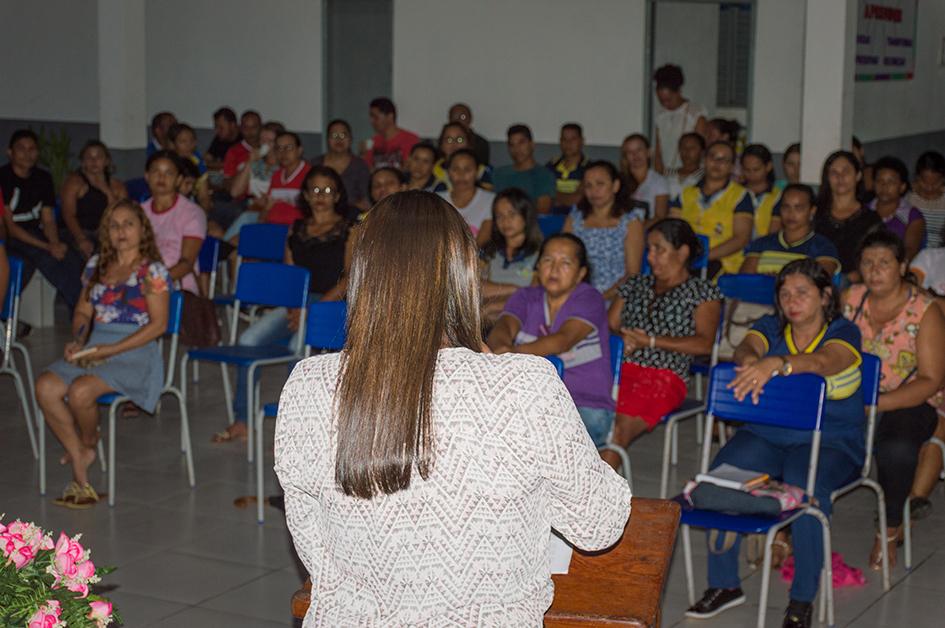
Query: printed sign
[[885, 40]]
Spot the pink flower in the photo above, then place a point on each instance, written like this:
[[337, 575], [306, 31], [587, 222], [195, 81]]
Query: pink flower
[[71, 566], [20, 542], [101, 613], [46, 616]]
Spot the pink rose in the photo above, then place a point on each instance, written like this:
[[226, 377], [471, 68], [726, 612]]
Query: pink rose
[[20, 542], [101, 612], [46, 616], [69, 547], [85, 570]]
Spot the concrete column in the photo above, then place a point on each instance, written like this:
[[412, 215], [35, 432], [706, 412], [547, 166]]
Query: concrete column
[[827, 101], [122, 104]]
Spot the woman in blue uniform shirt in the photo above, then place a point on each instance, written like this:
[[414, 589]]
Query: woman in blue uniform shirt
[[806, 335]]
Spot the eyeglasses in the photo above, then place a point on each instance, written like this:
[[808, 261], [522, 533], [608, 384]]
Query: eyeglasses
[[325, 191], [455, 140], [284, 148], [338, 136]]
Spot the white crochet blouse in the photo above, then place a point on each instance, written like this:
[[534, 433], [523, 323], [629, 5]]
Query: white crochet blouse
[[467, 546]]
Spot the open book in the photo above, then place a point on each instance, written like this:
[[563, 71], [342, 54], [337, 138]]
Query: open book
[[729, 476]]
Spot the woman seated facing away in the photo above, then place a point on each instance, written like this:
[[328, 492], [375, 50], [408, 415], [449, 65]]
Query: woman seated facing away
[[611, 228], [665, 318], [124, 305], [508, 259], [891, 185], [903, 327], [807, 335], [564, 316], [472, 202], [796, 238], [86, 193], [366, 449], [758, 179], [317, 243]]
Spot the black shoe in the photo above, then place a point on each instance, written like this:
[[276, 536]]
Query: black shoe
[[714, 601], [919, 508], [277, 501], [23, 329], [798, 615]]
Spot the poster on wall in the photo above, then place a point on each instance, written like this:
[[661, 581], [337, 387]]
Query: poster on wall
[[885, 40]]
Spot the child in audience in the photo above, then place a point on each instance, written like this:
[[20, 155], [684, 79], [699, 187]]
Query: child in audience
[[691, 154], [184, 140], [564, 316], [891, 184], [86, 193], [928, 194], [470, 200], [509, 257], [643, 183], [758, 179]]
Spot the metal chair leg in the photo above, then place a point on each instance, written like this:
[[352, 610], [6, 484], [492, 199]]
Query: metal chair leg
[[260, 489], [907, 535], [667, 448], [112, 412], [227, 393], [186, 446], [27, 404], [765, 577], [687, 556]]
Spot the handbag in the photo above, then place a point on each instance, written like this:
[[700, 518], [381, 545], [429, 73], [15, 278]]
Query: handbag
[[199, 325]]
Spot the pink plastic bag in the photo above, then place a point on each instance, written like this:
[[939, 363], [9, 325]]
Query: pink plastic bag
[[843, 574]]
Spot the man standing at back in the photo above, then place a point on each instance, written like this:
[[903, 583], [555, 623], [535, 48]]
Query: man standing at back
[[525, 173], [390, 145], [460, 113]]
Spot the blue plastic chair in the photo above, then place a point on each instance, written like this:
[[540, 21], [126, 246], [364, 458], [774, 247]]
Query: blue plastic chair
[[261, 284], [870, 371], [138, 189], [795, 402], [261, 242], [550, 224], [701, 263], [10, 315], [748, 287], [616, 359], [558, 363], [208, 260]]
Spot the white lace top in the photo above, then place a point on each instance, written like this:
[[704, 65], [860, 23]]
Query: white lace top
[[468, 546]]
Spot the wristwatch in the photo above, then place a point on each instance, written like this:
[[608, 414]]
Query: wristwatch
[[786, 368]]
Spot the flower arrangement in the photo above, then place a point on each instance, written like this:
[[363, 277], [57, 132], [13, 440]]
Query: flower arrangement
[[45, 584]]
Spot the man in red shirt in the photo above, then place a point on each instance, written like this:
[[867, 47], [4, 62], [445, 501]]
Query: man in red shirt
[[282, 207], [391, 145], [237, 156]]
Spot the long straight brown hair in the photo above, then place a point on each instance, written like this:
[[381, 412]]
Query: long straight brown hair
[[413, 289]]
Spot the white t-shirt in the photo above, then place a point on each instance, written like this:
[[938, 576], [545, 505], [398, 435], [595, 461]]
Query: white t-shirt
[[931, 264], [477, 211], [673, 124], [677, 184], [654, 185]]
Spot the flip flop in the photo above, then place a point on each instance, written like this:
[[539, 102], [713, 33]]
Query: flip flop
[[226, 436]]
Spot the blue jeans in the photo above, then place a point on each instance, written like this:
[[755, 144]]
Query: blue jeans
[[789, 463], [598, 422]]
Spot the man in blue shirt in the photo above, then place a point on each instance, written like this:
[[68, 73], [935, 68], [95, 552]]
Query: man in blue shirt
[[525, 173]]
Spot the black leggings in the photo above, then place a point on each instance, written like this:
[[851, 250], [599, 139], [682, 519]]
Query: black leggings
[[899, 437]]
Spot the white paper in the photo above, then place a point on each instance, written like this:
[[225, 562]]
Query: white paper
[[559, 554]]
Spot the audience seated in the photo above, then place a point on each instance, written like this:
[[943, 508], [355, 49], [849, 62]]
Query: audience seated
[[160, 124], [423, 157], [679, 116], [524, 172], [865, 167], [183, 140], [665, 318], [928, 194], [32, 233], [226, 133], [509, 257], [472, 202], [179, 225], [841, 212], [283, 193], [454, 137], [86, 193], [791, 164], [316, 242], [564, 316], [722, 130], [4, 260], [461, 113], [720, 209], [384, 182], [238, 155], [252, 183], [758, 179], [610, 225], [928, 267], [353, 170], [690, 172], [568, 168], [890, 184], [390, 145], [122, 312], [642, 182], [808, 335], [902, 326]]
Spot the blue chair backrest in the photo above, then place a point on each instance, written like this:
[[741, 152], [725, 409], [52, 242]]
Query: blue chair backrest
[[138, 189], [209, 255], [263, 242], [795, 402], [616, 356], [869, 385], [175, 308], [750, 288], [266, 283], [558, 364], [551, 224], [699, 263], [325, 326], [14, 287]]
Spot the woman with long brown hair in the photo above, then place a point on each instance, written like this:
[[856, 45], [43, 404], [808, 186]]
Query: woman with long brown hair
[[121, 313], [412, 457]]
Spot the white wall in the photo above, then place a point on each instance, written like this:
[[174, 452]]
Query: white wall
[[202, 54], [541, 62], [49, 60], [885, 109], [687, 35]]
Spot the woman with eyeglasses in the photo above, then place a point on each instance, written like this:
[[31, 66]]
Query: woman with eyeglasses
[[354, 171], [317, 243], [454, 137]]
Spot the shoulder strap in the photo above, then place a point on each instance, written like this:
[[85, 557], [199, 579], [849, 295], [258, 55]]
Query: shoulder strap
[[859, 308]]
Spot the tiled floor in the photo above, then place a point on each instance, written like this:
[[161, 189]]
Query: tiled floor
[[190, 558]]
